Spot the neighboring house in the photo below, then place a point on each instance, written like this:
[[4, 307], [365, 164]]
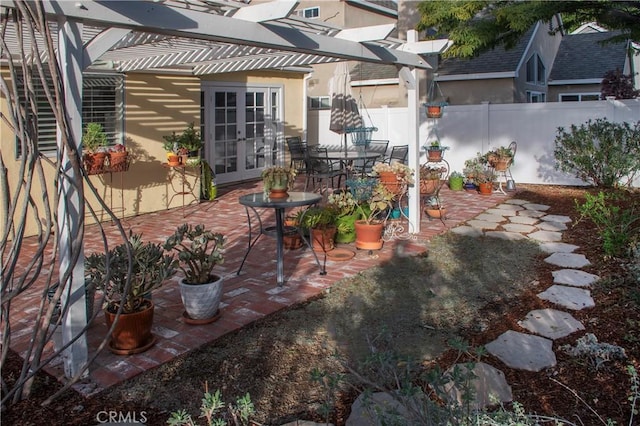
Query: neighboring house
[[502, 75], [376, 85], [539, 68], [582, 61]]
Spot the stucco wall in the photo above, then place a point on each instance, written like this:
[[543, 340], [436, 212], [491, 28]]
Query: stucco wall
[[155, 106]]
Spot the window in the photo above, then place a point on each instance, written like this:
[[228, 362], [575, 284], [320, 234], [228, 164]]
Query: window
[[579, 97], [319, 102], [310, 12], [536, 97], [536, 70], [102, 102]]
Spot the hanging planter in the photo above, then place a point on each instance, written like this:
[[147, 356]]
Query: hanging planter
[[435, 108], [361, 136]]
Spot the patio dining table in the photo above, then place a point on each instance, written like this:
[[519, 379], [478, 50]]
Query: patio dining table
[[346, 158]]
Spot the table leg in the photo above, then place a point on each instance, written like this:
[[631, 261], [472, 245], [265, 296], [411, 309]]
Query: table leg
[[279, 246]]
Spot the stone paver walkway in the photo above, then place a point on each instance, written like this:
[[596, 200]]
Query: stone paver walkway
[[531, 348]]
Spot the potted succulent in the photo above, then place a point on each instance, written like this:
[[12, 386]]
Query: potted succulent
[[345, 205], [430, 176], [118, 158], [185, 146], [485, 181], [499, 158], [434, 208], [277, 180], [375, 202], [127, 275], [472, 168], [435, 151], [321, 223], [395, 176], [94, 145], [199, 251], [456, 181]]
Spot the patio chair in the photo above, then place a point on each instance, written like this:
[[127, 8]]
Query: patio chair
[[297, 152], [363, 167], [322, 170], [399, 153]]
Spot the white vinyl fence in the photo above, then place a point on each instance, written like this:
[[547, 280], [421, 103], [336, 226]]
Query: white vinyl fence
[[468, 129]]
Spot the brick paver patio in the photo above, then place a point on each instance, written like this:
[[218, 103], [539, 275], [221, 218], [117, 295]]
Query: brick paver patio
[[247, 297]]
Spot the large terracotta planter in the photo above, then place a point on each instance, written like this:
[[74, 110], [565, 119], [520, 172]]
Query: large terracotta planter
[[202, 301], [436, 212], [291, 238], [132, 333], [369, 236], [322, 239], [501, 164]]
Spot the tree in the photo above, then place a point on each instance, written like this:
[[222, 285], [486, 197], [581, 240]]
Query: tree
[[477, 26], [615, 83]]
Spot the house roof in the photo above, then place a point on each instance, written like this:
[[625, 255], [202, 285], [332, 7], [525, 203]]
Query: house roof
[[584, 57], [497, 60]]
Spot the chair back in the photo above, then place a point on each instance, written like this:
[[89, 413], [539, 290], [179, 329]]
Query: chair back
[[319, 163], [297, 152], [399, 153], [380, 146]]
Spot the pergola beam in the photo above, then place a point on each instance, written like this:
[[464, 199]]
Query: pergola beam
[[163, 19]]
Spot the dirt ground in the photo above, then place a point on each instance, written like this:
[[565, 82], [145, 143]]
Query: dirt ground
[[272, 360]]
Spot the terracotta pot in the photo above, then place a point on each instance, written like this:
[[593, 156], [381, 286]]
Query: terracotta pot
[[428, 186], [434, 111], [132, 333], [436, 212], [118, 161], [390, 181], [322, 239], [485, 188], [434, 155], [291, 238], [501, 164], [94, 162], [173, 160], [369, 236]]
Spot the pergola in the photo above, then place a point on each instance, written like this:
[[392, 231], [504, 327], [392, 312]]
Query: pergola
[[199, 37]]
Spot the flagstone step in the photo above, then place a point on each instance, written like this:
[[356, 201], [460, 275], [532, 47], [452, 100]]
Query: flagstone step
[[569, 297], [568, 260], [574, 277], [551, 323], [523, 351]]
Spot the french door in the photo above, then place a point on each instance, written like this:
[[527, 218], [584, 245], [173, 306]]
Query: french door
[[243, 129]]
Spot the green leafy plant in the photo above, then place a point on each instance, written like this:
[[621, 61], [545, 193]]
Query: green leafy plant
[[318, 217], [617, 225], [94, 138], [380, 202], [150, 267], [330, 384], [213, 410], [188, 141], [199, 251], [599, 152]]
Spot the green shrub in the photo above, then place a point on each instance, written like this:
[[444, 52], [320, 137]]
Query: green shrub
[[213, 410], [617, 225], [599, 152]]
